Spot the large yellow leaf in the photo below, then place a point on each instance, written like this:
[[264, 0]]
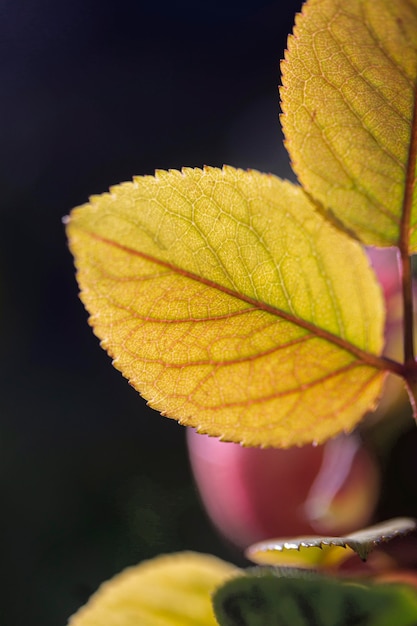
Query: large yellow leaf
[[231, 305], [170, 590], [349, 98]]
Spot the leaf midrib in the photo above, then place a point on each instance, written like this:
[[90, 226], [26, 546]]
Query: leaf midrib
[[367, 358]]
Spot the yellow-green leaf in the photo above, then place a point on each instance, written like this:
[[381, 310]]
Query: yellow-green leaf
[[328, 552], [231, 305], [170, 590], [349, 98]]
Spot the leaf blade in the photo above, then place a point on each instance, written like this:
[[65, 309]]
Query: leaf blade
[[300, 600], [170, 590], [207, 286], [318, 551], [348, 99]]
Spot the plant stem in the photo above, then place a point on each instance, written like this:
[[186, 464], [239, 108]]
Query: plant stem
[[404, 243], [408, 314], [411, 384], [410, 366]]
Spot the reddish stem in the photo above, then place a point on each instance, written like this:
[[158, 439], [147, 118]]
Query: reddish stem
[[410, 369], [408, 314]]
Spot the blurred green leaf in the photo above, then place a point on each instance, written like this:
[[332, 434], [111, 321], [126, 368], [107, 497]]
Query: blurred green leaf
[[301, 599]]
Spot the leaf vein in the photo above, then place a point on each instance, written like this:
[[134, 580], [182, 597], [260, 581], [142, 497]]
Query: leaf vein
[[381, 363]]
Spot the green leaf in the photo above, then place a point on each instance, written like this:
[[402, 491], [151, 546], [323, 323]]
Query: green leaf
[[267, 600], [349, 113], [231, 305], [170, 590], [325, 552]]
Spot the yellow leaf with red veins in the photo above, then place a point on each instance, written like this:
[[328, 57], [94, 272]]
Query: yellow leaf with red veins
[[349, 114], [231, 305]]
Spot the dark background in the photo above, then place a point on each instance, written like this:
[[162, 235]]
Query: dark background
[[93, 93]]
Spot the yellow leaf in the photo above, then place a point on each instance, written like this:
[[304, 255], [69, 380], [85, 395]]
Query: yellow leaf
[[170, 590], [231, 305], [349, 98]]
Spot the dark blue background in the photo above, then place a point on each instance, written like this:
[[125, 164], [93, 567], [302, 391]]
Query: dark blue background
[[92, 93]]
